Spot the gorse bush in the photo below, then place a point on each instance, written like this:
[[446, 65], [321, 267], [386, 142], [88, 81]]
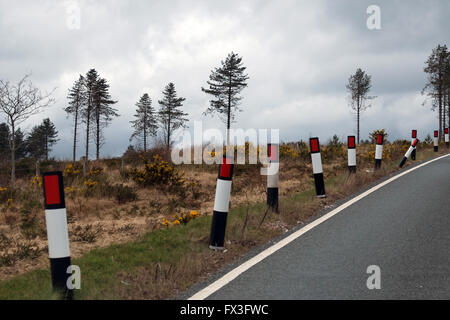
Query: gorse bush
[[124, 194], [157, 172], [287, 151]]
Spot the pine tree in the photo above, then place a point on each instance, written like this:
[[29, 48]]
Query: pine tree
[[170, 116], [436, 67], [225, 85], [35, 143], [77, 100], [49, 135], [102, 111], [146, 122], [359, 85], [41, 139], [86, 114]]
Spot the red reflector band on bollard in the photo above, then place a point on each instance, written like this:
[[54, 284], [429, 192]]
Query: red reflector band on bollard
[[52, 195], [436, 133], [272, 150], [380, 139], [351, 142], [414, 134], [446, 130], [226, 169], [53, 190], [314, 145]]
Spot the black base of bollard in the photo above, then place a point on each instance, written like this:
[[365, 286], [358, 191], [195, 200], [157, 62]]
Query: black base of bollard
[[377, 164], [402, 163], [272, 198], [436, 149], [58, 267], [413, 155], [320, 185], [352, 169], [219, 223]]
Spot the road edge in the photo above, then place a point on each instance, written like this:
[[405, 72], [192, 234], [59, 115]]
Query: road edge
[[273, 246]]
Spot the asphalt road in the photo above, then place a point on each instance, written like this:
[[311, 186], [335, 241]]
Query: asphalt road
[[404, 228]]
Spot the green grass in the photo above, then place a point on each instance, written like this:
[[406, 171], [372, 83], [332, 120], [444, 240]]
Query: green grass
[[100, 267]]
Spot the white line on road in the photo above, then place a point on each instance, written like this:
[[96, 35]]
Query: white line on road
[[227, 278]]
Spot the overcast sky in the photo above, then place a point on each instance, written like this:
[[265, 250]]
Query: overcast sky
[[298, 54]]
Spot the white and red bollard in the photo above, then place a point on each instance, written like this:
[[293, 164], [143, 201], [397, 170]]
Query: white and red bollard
[[379, 151], [409, 152], [317, 167], [221, 204], [413, 137], [272, 179], [446, 137], [436, 141], [57, 231], [351, 153]]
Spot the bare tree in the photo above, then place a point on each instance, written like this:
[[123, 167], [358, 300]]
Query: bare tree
[[19, 102]]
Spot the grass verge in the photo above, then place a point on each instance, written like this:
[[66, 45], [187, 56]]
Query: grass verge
[[165, 262]]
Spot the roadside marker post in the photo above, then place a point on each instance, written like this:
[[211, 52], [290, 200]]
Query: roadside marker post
[[351, 154], [221, 204], [446, 137], [413, 137], [436, 141], [379, 151], [409, 152], [317, 167], [272, 179], [57, 232]]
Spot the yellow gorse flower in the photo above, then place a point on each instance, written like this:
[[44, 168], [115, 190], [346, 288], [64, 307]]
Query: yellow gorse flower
[[165, 223], [90, 183], [70, 189], [36, 181], [71, 171], [193, 214]]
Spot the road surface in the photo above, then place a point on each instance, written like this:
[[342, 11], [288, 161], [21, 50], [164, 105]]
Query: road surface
[[403, 228]]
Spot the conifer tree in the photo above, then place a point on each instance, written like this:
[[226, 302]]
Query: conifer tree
[[102, 111], [359, 85], [146, 123], [170, 116], [225, 85], [77, 101], [436, 87]]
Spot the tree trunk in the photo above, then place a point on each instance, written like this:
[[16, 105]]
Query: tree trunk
[[443, 113], [357, 126], [46, 147], [168, 132], [75, 136], [98, 135], [87, 137], [145, 134], [13, 154], [38, 171], [440, 115], [229, 112]]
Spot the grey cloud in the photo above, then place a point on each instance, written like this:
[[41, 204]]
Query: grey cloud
[[299, 56]]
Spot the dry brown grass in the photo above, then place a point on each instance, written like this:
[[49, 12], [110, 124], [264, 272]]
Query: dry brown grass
[[113, 223]]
